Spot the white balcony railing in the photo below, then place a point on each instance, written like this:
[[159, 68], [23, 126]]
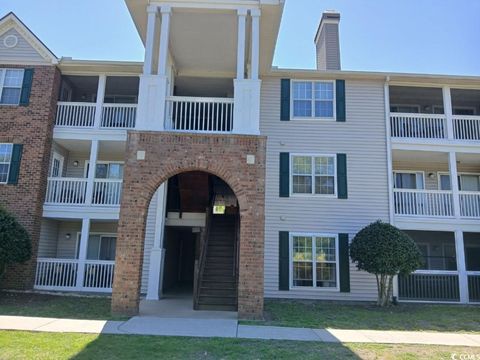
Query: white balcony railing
[[470, 204], [418, 126], [61, 274], [75, 114], [431, 203], [66, 190], [107, 192], [196, 114], [466, 127], [119, 116]]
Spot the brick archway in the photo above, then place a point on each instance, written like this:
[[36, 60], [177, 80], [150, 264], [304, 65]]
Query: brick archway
[[168, 154]]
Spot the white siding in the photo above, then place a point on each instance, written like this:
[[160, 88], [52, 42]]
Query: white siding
[[362, 137], [47, 245], [149, 239], [23, 51]]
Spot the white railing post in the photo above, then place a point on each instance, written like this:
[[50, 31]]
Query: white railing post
[[149, 43], [447, 106], [91, 172], [102, 81], [82, 253], [461, 266], [452, 164]]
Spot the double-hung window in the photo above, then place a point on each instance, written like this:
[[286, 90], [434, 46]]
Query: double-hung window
[[314, 260], [10, 86], [313, 174], [313, 99], [5, 160]]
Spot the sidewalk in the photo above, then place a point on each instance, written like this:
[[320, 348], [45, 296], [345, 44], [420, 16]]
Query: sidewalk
[[229, 328]]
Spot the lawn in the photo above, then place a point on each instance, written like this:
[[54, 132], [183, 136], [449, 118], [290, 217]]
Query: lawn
[[30, 345], [419, 317], [42, 305]]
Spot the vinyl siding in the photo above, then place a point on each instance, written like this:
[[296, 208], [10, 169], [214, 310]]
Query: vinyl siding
[[362, 137], [328, 48], [47, 245], [23, 51], [149, 239]]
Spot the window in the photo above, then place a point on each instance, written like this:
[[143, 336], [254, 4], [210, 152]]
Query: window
[[5, 159], [314, 261], [313, 174], [10, 86], [107, 170], [100, 247], [313, 99], [409, 180], [466, 182], [57, 165]]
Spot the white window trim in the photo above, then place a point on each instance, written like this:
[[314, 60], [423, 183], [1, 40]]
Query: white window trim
[[87, 162], [411, 172], [101, 234], [439, 184], [313, 194], [9, 164], [313, 117], [3, 73], [314, 262]]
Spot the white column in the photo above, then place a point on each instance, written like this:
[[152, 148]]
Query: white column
[[242, 17], [152, 16], [391, 209], [447, 107], [461, 266], [91, 172], [255, 58], [157, 254], [82, 253], [102, 82], [452, 164], [164, 40]]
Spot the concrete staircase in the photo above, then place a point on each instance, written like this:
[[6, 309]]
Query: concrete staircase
[[218, 286]]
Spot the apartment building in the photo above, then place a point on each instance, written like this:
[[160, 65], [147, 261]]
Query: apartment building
[[205, 172]]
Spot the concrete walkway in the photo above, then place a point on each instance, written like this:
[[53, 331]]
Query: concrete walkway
[[229, 328]]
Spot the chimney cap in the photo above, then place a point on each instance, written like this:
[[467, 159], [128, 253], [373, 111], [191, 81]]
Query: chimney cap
[[331, 16]]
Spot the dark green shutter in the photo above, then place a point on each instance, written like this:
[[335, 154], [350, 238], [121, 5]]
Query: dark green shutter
[[284, 174], [283, 261], [342, 176], [340, 96], [26, 87], [344, 262], [15, 164], [285, 100]]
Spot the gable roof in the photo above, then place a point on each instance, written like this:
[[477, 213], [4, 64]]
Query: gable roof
[[11, 21]]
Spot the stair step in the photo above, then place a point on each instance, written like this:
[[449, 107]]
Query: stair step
[[217, 292], [217, 272], [217, 307], [217, 300]]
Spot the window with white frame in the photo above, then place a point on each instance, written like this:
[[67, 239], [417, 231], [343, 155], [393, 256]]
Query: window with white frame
[[107, 170], [5, 159], [313, 174], [314, 260], [313, 99], [10, 86]]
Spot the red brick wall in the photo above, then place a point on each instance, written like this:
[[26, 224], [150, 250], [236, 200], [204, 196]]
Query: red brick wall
[[31, 126], [168, 154]]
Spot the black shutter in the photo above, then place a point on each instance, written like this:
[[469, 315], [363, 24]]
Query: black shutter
[[342, 176], [15, 164], [340, 97], [26, 87], [283, 261], [284, 174], [344, 262], [285, 100]]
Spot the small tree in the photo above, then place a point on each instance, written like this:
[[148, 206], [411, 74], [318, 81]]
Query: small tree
[[15, 246], [385, 251]]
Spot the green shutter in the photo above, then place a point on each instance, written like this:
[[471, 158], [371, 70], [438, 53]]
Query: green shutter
[[285, 100], [15, 164], [340, 96], [283, 261], [342, 176], [344, 262], [26, 87], [284, 174]]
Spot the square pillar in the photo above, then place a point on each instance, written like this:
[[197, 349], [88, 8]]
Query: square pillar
[[242, 18], [447, 108], [166, 11], [255, 51], [461, 267], [452, 164], [82, 254], [102, 82], [149, 43], [92, 165]]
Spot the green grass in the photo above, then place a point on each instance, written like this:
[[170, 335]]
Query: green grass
[[42, 305], [30, 345], [414, 317]]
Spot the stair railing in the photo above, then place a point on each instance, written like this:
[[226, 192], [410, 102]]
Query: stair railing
[[200, 263]]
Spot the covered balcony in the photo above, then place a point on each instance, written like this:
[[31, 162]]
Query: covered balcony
[[102, 102], [434, 113], [71, 185], [423, 185]]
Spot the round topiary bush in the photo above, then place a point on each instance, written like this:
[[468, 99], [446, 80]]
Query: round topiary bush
[[15, 245], [385, 251]]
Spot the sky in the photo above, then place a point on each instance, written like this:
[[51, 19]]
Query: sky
[[419, 36]]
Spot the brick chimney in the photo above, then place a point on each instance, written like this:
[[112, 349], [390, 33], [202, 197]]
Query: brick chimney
[[327, 42]]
